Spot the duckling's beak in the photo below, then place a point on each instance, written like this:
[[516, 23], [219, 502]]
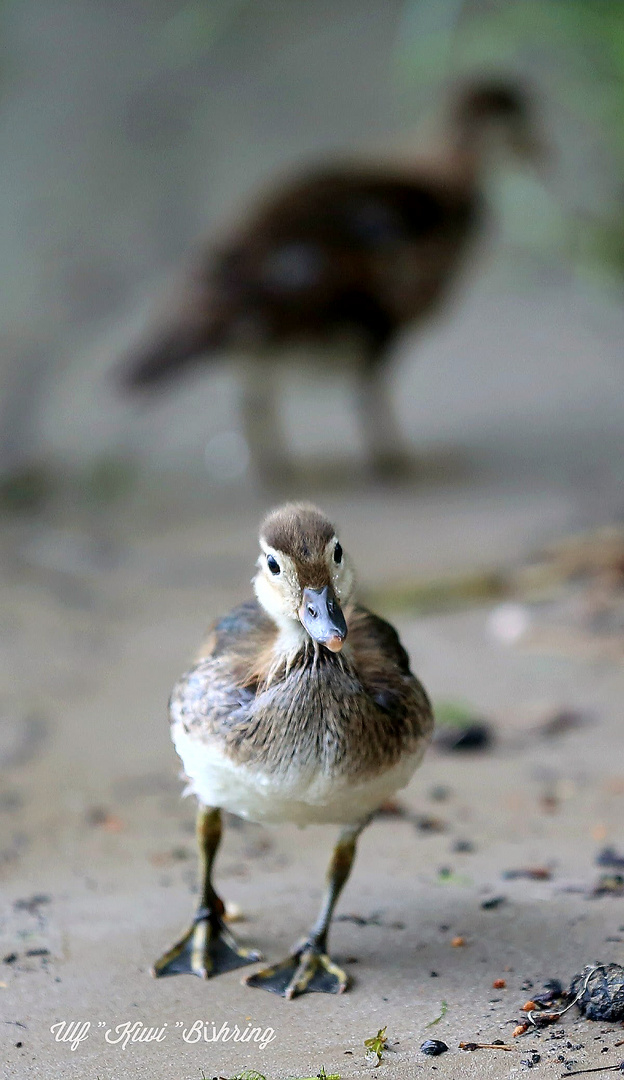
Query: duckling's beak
[[322, 617]]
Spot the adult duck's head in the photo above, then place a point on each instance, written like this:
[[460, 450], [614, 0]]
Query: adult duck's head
[[304, 577], [499, 112]]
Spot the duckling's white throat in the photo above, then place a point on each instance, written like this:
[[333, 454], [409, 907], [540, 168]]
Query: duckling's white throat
[[290, 638]]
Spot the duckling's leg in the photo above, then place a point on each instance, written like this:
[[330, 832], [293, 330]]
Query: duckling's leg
[[309, 967], [208, 948]]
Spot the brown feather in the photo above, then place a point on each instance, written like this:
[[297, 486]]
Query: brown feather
[[299, 530], [353, 713]]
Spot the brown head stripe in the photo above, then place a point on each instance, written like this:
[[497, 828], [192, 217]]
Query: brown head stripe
[[299, 530]]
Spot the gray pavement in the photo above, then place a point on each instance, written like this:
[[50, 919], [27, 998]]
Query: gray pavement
[[93, 821]]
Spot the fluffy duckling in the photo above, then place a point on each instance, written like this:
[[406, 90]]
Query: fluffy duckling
[[352, 251], [301, 707]]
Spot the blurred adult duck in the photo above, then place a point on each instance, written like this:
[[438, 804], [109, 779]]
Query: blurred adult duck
[[338, 254]]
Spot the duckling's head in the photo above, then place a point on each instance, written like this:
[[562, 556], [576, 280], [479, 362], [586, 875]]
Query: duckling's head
[[304, 576]]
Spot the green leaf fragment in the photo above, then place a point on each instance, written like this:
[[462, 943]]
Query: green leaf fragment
[[377, 1044]]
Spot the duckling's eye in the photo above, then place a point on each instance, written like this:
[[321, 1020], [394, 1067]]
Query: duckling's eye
[[338, 553], [273, 564]]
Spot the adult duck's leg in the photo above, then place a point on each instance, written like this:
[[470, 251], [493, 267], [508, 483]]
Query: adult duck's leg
[[388, 454], [268, 449], [309, 967], [208, 948]]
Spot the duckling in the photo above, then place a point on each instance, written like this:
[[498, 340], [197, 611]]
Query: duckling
[[300, 707], [339, 254]]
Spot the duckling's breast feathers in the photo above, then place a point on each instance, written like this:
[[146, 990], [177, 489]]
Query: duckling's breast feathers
[[324, 723]]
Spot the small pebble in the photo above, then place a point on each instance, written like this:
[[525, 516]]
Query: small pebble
[[492, 902], [433, 1047], [499, 984], [610, 857], [602, 996], [463, 847], [31, 903], [439, 793], [477, 736], [458, 942], [426, 823]]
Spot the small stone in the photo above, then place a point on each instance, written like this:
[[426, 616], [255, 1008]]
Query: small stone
[[433, 1047], [474, 737], [427, 823], [31, 904], [603, 995], [463, 847], [493, 902]]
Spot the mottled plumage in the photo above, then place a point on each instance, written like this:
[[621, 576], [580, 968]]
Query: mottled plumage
[[301, 707], [352, 713]]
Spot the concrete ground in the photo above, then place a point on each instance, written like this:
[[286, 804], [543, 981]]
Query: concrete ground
[[97, 858], [103, 606], [515, 404]]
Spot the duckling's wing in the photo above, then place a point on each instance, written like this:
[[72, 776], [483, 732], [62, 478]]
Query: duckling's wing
[[206, 700], [370, 634], [240, 633], [383, 668], [217, 691]]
